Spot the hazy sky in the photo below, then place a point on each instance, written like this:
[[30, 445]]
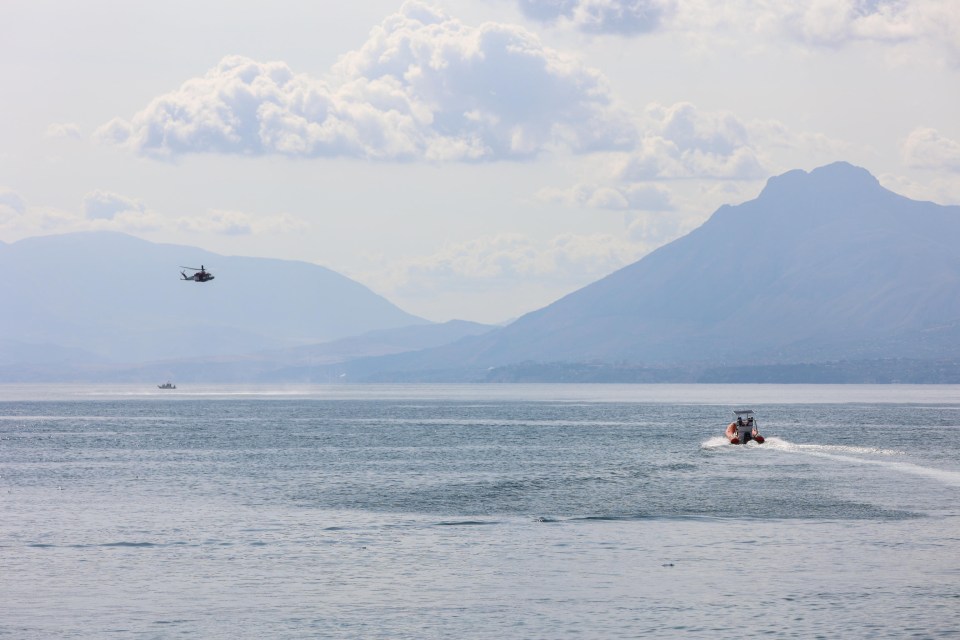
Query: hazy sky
[[470, 160]]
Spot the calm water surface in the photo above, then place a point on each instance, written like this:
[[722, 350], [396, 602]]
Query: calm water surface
[[488, 511]]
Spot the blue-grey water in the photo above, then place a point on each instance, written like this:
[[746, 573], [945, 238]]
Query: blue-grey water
[[458, 511]]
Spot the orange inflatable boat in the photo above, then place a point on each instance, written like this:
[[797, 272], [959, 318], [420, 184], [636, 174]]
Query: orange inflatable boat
[[744, 428]]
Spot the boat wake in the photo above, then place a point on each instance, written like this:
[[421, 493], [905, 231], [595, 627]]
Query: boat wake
[[717, 442], [842, 453], [829, 449], [851, 454], [720, 442]]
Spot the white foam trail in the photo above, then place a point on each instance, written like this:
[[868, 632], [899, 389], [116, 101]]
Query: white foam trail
[[837, 452], [784, 445], [715, 443], [718, 442], [951, 478]]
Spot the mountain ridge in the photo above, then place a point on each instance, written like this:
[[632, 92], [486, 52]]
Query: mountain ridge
[[824, 271], [122, 299], [822, 266]]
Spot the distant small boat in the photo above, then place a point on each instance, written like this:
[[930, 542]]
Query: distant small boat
[[166, 385], [745, 429]]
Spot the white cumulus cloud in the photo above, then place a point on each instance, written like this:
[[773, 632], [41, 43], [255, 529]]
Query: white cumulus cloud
[[106, 210], [11, 203], [926, 148], [63, 130], [106, 205], [423, 86], [237, 223], [811, 23], [20, 219], [830, 23], [836, 22], [682, 141], [503, 259]]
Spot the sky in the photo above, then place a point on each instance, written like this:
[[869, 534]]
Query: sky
[[465, 159]]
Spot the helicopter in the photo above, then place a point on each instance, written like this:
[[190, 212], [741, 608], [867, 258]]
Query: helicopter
[[200, 275]]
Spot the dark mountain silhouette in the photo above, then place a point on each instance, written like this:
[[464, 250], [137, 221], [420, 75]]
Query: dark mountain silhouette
[[826, 265], [100, 296]]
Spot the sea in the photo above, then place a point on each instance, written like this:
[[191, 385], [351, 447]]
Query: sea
[[478, 511]]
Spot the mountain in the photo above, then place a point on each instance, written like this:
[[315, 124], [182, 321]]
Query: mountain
[[308, 363], [825, 277], [108, 297], [382, 342], [822, 266]]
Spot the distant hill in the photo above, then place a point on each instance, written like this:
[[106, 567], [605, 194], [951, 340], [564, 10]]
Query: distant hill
[[308, 363], [822, 266], [108, 297], [382, 342], [825, 277]]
